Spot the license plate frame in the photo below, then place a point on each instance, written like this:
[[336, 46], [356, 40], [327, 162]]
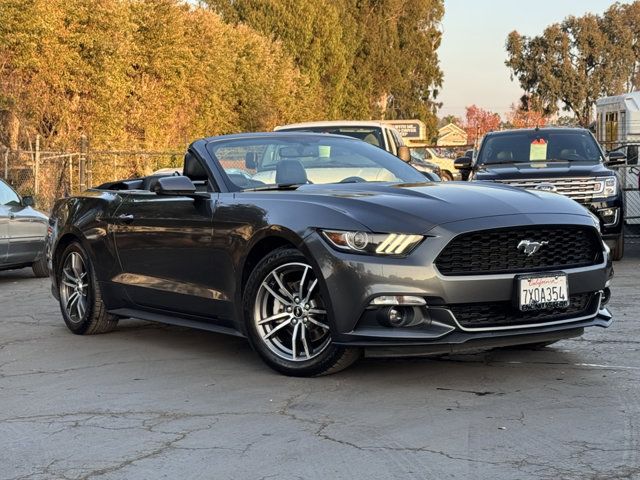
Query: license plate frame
[[530, 301]]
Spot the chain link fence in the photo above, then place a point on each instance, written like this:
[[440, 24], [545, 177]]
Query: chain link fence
[[48, 175]]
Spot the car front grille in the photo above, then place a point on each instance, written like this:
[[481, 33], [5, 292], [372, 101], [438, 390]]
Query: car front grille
[[497, 315], [496, 251], [580, 189]]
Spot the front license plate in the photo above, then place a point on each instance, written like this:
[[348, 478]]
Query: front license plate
[[543, 292]]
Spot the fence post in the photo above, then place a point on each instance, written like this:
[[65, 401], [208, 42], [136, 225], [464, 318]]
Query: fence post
[[82, 162], [36, 166]]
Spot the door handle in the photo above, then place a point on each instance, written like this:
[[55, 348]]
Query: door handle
[[125, 218], [12, 216]]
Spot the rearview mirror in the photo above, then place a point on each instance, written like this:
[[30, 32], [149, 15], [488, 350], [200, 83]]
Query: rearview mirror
[[616, 157], [28, 201], [462, 163], [404, 153], [175, 186]]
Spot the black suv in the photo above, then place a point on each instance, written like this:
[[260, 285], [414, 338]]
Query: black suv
[[568, 161]]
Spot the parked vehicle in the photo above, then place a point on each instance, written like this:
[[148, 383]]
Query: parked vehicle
[[22, 233], [567, 161], [448, 171], [379, 134], [368, 256]]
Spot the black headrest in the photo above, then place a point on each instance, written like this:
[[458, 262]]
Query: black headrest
[[193, 168], [290, 171], [250, 160]]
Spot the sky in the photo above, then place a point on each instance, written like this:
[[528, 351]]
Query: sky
[[472, 52]]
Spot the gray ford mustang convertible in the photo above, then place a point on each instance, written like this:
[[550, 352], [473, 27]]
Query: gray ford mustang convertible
[[318, 248]]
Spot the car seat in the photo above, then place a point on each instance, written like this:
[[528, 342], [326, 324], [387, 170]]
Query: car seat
[[290, 172]]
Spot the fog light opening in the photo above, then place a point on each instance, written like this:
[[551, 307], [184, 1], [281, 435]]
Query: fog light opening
[[401, 316], [609, 216]]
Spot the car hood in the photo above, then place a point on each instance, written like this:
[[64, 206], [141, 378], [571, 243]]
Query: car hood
[[417, 208], [517, 171]]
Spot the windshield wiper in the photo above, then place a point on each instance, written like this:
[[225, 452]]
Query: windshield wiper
[[279, 186]]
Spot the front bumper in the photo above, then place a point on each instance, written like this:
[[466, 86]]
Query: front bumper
[[352, 281]]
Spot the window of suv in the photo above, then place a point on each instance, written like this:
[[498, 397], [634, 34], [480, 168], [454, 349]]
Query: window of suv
[[530, 146]]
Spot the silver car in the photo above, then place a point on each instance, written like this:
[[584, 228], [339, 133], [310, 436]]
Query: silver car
[[22, 233]]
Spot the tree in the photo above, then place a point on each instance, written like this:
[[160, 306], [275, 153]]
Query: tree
[[572, 63], [621, 25], [372, 58], [319, 35], [478, 122], [447, 119], [519, 117], [150, 74]]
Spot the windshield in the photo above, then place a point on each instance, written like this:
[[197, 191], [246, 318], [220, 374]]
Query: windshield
[[295, 160], [530, 146], [7, 195]]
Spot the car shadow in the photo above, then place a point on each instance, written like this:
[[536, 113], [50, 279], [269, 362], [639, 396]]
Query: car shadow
[[465, 371], [19, 274]]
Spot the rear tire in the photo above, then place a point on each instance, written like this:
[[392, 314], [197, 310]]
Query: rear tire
[[81, 303], [40, 268], [618, 250], [287, 318]]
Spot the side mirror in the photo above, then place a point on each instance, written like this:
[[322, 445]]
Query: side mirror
[[174, 186], [250, 160], [28, 201], [462, 163], [616, 157], [404, 153]]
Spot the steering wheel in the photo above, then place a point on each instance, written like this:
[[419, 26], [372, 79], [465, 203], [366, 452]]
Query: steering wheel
[[353, 180]]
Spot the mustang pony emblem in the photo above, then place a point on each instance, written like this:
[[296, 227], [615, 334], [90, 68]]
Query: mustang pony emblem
[[529, 247]]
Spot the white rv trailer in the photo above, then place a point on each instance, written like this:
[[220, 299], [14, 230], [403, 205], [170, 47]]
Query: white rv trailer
[[618, 128], [618, 119]]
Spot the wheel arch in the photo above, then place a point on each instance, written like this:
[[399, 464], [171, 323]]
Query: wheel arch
[[63, 242], [263, 243]]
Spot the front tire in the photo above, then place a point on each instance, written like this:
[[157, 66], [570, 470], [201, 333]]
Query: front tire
[[81, 303], [287, 318]]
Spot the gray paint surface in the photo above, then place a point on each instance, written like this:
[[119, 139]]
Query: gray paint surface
[[150, 401]]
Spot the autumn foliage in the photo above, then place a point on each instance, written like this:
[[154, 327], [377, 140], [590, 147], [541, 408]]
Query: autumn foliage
[[156, 74], [519, 117], [478, 122]]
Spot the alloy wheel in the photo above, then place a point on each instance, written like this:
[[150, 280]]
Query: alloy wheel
[[74, 287], [290, 315]]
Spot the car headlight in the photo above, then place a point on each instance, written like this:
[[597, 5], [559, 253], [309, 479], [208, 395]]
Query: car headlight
[[392, 244], [608, 186]]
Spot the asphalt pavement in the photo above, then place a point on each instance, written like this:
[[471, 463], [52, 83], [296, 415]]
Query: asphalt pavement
[[151, 401]]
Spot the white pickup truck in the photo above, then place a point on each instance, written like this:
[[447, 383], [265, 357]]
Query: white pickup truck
[[376, 133]]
